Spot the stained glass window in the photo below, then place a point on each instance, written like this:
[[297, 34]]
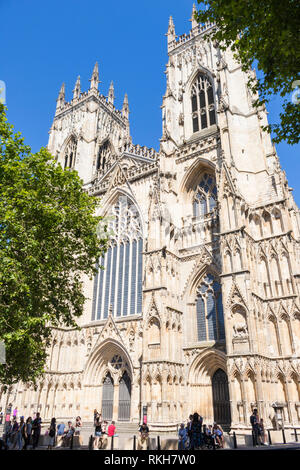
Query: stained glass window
[[119, 285]]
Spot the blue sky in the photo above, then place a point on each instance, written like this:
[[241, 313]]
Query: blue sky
[[46, 43]]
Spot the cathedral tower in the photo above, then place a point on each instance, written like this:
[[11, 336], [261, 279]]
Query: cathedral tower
[[197, 307]]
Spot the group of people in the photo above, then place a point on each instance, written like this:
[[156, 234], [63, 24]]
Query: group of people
[[195, 435], [103, 430], [20, 434]]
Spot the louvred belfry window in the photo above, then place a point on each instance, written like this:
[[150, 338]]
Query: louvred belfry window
[[209, 307], [119, 285], [205, 198], [203, 104]]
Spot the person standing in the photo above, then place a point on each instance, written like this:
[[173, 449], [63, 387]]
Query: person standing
[[8, 414], [1, 416], [98, 430], [255, 427], [182, 437], [20, 433], [195, 432], [52, 434], [14, 432], [36, 428], [111, 429], [78, 426], [15, 412], [28, 431], [262, 431]]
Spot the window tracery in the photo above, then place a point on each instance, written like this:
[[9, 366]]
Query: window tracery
[[210, 319], [119, 285], [203, 104], [205, 198]]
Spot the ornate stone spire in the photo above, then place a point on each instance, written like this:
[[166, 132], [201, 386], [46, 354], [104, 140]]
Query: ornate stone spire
[[61, 98], [192, 20], [125, 108], [95, 78], [171, 31], [77, 91], [111, 94]]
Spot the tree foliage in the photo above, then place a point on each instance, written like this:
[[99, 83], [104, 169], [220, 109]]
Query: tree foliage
[[48, 242], [266, 32]]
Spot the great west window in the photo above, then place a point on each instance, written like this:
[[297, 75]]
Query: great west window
[[119, 285]]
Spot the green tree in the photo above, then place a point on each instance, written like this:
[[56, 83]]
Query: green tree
[[267, 33], [48, 243]]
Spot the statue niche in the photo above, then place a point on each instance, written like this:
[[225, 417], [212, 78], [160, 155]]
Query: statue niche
[[240, 335]]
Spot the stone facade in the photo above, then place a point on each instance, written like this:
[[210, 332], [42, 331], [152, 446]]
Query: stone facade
[[198, 307]]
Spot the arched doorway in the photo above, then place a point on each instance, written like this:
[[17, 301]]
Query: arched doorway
[[221, 402], [107, 398], [124, 398]]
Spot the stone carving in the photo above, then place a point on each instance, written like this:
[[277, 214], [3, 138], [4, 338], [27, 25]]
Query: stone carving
[[240, 330]]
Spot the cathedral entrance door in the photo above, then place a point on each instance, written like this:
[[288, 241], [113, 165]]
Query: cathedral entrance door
[[221, 402], [107, 398], [124, 398]]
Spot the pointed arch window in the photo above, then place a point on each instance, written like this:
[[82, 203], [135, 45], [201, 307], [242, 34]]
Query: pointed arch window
[[103, 156], [205, 198], [70, 153], [209, 306], [203, 104], [119, 285]]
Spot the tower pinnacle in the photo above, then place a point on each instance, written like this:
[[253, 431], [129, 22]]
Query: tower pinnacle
[[77, 91], [111, 94], [125, 108], [171, 31], [192, 20], [61, 98], [95, 78]]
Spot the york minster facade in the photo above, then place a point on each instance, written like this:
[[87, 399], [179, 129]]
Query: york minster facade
[[197, 307]]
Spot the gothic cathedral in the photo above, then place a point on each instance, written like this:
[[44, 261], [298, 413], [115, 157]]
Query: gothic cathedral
[[197, 307]]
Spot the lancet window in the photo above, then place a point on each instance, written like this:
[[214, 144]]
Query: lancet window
[[70, 154], [205, 198], [210, 319], [102, 157], [119, 285], [203, 104]]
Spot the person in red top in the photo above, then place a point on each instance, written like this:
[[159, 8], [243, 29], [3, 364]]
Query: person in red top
[[111, 429]]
